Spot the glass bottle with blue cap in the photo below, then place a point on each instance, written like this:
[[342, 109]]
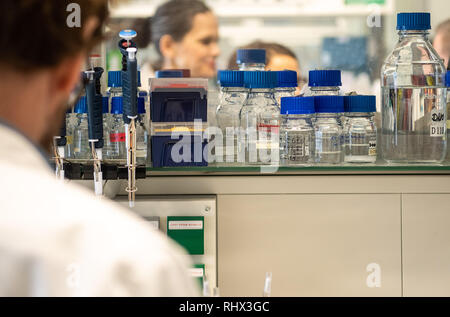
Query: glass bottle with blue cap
[[260, 120], [324, 83], [360, 130], [116, 148], [232, 98], [413, 96], [287, 84], [251, 59], [297, 141], [328, 129], [81, 148]]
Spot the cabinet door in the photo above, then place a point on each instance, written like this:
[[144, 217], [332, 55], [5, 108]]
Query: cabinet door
[[314, 245], [426, 245]]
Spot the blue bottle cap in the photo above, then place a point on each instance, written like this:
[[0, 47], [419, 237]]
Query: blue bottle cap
[[81, 106], [297, 105], [142, 94], [287, 78], [169, 74], [325, 78], [251, 56], [141, 105], [115, 78], [413, 21], [105, 105], [360, 104], [329, 104], [447, 79], [230, 78], [127, 34], [260, 80], [117, 105]]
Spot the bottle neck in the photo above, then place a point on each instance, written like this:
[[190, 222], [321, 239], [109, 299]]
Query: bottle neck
[[252, 67], [407, 34], [228, 90], [325, 88], [288, 89], [360, 114]]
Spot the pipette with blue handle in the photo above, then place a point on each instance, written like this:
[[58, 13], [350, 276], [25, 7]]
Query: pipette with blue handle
[[95, 123], [130, 111]]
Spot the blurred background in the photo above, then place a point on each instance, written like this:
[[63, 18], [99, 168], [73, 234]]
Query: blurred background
[[352, 35]]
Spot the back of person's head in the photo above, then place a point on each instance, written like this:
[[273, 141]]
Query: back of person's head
[[272, 49], [442, 40], [40, 34], [45, 43]]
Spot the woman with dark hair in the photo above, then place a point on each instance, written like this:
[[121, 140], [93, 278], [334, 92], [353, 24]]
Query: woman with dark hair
[[185, 34]]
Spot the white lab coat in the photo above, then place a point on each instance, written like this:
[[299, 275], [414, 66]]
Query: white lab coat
[[60, 240]]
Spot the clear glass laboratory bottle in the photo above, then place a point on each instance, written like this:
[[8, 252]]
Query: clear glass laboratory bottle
[[287, 85], [328, 129], [232, 98], [260, 120], [116, 151], [324, 83], [413, 96], [360, 130], [70, 124], [447, 83], [141, 134], [81, 148], [297, 140], [251, 59]]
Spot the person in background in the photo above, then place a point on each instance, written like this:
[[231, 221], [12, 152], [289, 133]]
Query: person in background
[[185, 34], [278, 57], [441, 41], [58, 239]]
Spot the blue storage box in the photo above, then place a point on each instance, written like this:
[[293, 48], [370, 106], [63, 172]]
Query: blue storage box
[[162, 146], [178, 105]]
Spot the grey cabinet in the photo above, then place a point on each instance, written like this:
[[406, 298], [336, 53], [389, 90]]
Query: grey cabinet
[[314, 245]]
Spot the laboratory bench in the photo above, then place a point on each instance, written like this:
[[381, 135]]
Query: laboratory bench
[[321, 230]]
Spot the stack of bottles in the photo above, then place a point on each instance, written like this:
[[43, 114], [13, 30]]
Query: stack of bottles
[[178, 113], [322, 127]]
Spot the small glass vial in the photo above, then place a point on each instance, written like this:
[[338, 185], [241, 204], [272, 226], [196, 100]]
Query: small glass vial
[[324, 83], [287, 84], [297, 141], [116, 151], [260, 120], [81, 148], [328, 129], [360, 130], [251, 59]]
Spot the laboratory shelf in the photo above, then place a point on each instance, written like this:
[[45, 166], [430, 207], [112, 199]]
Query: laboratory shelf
[[383, 169]]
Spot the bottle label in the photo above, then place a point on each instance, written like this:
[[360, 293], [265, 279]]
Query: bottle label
[[69, 139], [117, 137], [438, 123]]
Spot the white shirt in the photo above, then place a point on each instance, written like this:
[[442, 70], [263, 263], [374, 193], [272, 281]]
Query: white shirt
[[60, 240]]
